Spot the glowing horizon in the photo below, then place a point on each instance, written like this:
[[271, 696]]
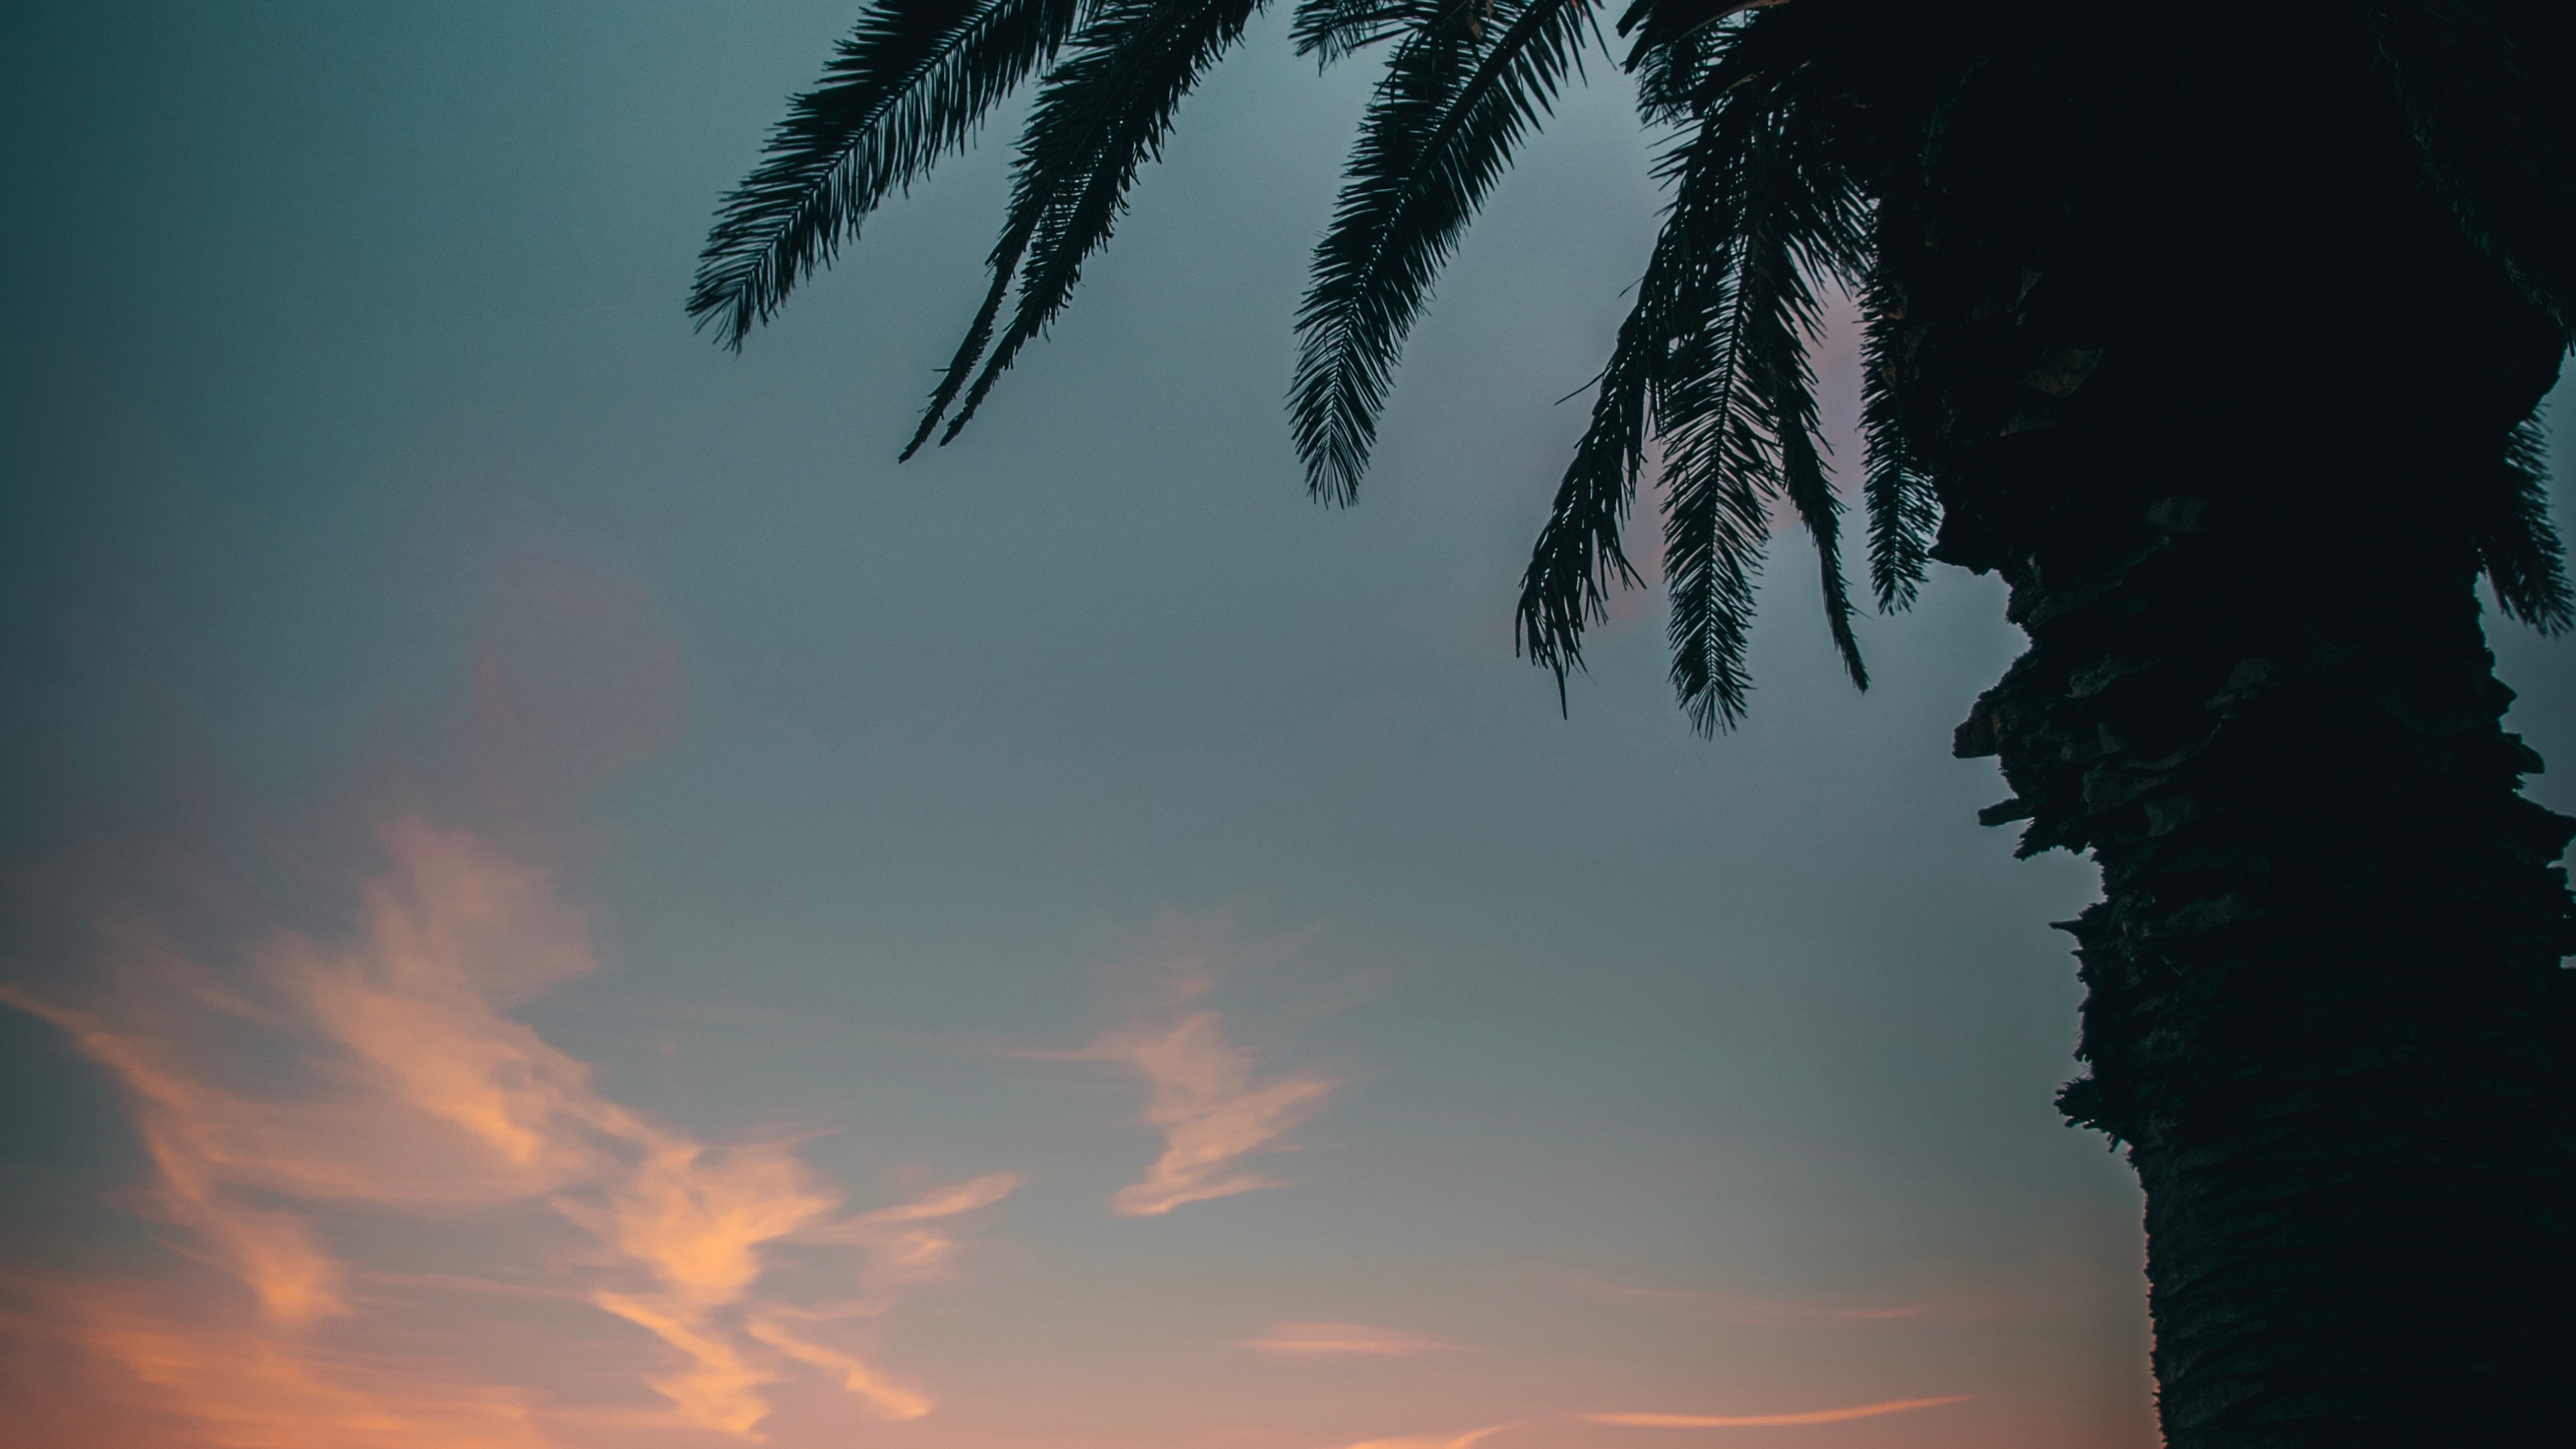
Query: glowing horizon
[[1776, 1421], [331, 1090]]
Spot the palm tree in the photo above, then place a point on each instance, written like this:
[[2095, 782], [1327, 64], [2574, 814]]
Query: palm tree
[[2218, 335]]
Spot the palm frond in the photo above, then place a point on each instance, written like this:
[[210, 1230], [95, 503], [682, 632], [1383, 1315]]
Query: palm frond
[[1100, 116], [1814, 227], [910, 84], [1461, 92], [1803, 480], [1904, 514], [1667, 346], [2523, 559], [1690, 54], [1712, 361], [1004, 263], [1658, 24], [1723, 462], [1332, 30], [1565, 587]]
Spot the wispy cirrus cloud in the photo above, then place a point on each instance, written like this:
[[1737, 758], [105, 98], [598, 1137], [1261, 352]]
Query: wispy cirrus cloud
[[1772, 1421], [1204, 1096], [892, 1397], [204, 1143], [912, 1242], [392, 1083], [243, 1383], [1327, 1339], [1467, 1440], [909, 1243]]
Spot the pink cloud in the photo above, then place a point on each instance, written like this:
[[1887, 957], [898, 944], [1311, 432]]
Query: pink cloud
[[249, 1387], [1322, 1339], [393, 1083], [201, 1141], [1767, 1421], [887, 1394], [717, 1389], [912, 1242], [1202, 1095], [1467, 1440]]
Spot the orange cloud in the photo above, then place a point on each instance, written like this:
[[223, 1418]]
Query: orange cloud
[[906, 1241], [717, 1390], [198, 1138], [1320, 1339], [1202, 1096], [1752, 1421], [251, 1385], [887, 1395], [419, 1095]]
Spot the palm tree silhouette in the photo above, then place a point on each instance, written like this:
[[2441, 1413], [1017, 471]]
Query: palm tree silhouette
[[2218, 335]]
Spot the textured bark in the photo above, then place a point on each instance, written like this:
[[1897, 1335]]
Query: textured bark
[[2205, 371]]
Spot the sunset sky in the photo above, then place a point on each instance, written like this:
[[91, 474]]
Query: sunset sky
[[557, 898]]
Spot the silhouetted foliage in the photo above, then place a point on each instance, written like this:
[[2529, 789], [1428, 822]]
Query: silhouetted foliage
[[2218, 336], [1785, 119]]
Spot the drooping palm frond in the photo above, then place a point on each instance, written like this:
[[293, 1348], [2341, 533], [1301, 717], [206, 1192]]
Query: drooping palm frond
[[1904, 512], [1716, 514], [1690, 55], [1332, 30], [1100, 116], [1579, 553], [1464, 87], [1660, 25], [1741, 424], [1004, 263], [1712, 361], [910, 85], [2520, 552], [1792, 392]]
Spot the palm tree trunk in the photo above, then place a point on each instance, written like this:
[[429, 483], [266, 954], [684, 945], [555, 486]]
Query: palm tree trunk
[[2204, 371]]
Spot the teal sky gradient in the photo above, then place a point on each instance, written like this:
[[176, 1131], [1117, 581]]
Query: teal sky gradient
[[363, 469]]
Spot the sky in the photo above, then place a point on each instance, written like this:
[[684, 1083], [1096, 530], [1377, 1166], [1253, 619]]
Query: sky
[[557, 897]]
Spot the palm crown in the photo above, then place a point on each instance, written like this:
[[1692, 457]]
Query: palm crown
[[1790, 125], [2321, 255]]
